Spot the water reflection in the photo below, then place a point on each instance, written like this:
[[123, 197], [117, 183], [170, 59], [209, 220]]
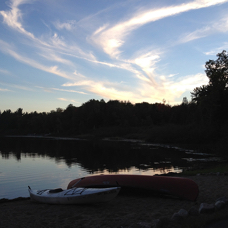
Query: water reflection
[[49, 163], [96, 156]]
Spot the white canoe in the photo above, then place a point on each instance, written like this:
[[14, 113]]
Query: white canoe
[[74, 195]]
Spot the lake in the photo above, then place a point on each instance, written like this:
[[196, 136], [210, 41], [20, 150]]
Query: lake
[[43, 163]]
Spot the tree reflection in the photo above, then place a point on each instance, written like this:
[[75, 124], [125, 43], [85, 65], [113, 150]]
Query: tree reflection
[[95, 156]]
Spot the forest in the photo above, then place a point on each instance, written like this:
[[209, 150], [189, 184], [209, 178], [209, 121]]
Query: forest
[[203, 119]]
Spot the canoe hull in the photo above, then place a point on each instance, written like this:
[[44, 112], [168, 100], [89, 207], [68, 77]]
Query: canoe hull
[[75, 195], [176, 186]]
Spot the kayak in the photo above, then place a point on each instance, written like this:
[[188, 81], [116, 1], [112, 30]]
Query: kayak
[[176, 186], [74, 195]]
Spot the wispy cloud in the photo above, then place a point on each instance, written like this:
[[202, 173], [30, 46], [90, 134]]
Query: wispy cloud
[[3, 71], [68, 100], [220, 26], [112, 38], [21, 87], [58, 51], [6, 48], [217, 50], [187, 83], [171, 90], [4, 90], [69, 25], [147, 62], [13, 17], [47, 89], [104, 89], [167, 89], [200, 33], [62, 99], [55, 57], [69, 91]]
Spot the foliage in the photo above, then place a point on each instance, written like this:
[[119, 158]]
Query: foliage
[[212, 99], [94, 115]]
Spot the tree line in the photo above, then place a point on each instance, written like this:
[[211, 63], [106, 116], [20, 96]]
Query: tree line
[[94, 114], [208, 107]]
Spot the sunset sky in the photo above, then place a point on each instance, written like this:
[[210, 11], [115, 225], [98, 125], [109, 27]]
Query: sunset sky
[[59, 52]]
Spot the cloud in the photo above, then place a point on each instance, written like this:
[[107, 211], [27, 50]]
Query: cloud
[[68, 100], [69, 91], [13, 17], [54, 57], [172, 90], [220, 26], [105, 89], [100, 29], [112, 38], [26, 88], [6, 48], [62, 99], [167, 89], [4, 90], [3, 71], [69, 25], [200, 33], [57, 41], [217, 50], [147, 62], [172, 75], [61, 90], [56, 51], [188, 83]]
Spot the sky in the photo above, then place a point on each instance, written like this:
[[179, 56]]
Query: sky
[[59, 52]]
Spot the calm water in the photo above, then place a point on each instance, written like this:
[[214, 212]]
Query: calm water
[[51, 163]]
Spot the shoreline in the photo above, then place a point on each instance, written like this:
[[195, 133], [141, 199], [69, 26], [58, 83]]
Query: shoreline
[[123, 211]]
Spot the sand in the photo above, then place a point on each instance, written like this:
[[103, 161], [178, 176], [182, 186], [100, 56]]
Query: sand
[[124, 211]]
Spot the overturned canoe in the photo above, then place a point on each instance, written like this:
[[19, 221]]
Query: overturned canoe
[[74, 195], [180, 187]]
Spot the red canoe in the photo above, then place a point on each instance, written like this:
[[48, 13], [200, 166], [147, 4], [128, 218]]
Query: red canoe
[[180, 187]]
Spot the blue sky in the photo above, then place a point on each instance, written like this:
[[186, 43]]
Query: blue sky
[[59, 52]]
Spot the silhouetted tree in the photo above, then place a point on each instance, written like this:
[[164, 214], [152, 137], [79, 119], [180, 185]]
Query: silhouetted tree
[[212, 99]]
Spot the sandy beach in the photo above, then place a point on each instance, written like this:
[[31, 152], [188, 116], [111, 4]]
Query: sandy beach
[[124, 211]]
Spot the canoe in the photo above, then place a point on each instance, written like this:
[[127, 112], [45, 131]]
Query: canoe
[[74, 195], [176, 186]]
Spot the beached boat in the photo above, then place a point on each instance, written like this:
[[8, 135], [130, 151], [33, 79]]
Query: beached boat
[[176, 186], [74, 195]]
